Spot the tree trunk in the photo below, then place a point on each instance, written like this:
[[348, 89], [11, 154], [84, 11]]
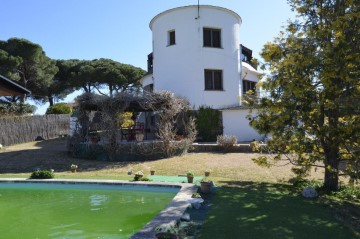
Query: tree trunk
[[332, 153], [331, 180], [51, 100]]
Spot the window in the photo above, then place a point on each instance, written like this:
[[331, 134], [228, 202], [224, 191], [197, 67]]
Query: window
[[213, 80], [248, 85], [212, 37], [171, 37]]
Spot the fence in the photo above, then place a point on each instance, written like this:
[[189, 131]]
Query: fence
[[21, 129]]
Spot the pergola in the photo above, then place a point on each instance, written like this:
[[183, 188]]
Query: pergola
[[167, 107], [10, 88]]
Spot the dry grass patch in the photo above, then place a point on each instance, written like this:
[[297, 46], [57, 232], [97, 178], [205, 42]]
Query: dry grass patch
[[20, 160]]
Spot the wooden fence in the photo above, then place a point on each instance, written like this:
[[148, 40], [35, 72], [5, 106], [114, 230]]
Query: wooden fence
[[21, 129]]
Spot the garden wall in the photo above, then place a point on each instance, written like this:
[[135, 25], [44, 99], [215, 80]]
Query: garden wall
[[21, 129]]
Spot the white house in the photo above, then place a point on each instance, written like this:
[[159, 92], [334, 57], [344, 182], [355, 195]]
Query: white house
[[197, 54]]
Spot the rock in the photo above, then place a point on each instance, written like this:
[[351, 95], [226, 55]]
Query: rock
[[195, 202], [185, 217], [309, 192]]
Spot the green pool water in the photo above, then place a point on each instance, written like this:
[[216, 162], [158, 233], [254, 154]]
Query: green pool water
[[41, 210]]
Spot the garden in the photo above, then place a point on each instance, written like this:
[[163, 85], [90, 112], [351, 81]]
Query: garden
[[249, 201]]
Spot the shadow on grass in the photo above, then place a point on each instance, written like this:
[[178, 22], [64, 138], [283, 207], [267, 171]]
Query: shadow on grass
[[264, 210], [48, 154]]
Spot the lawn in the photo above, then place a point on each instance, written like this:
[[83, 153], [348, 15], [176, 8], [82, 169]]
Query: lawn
[[251, 202], [268, 210]]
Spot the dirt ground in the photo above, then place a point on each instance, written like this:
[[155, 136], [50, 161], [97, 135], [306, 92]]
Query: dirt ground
[[24, 158]]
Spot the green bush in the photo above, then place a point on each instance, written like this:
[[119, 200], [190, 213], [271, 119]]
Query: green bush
[[42, 174], [16, 108], [348, 193], [59, 108], [145, 179], [208, 124]]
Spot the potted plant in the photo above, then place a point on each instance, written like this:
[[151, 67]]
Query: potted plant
[[190, 177], [167, 231], [207, 172], [73, 168], [152, 171], [205, 185], [138, 175]]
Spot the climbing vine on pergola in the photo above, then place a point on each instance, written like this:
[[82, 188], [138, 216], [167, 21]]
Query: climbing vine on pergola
[[164, 104]]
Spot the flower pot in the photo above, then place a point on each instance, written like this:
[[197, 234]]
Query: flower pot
[[164, 235], [73, 170], [205, 187], [139, 137], [190, 179], [152, 172], [207, 174]]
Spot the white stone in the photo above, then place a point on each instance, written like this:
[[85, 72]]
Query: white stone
[[309, 192]]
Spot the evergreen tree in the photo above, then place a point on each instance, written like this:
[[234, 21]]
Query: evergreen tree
[[311, 108], [36, 71]]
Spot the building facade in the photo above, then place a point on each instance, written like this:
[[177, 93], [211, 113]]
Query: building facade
[[197, 55]]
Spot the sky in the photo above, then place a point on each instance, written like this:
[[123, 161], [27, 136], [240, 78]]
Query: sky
[[119, 29]]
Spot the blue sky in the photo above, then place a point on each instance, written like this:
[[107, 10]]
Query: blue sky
[[119, 29]]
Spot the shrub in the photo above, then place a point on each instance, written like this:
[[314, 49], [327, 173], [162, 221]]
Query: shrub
[[59, 108], [138, 175], [42, 174], [208, 123], [348, 193], [16, 108], [145, 179], [125, 119], [226, 141], [301, 183]]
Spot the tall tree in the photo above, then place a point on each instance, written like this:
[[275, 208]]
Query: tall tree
[[62, 84], [312, 107], [8, 64], [36, 70], [106, 74]]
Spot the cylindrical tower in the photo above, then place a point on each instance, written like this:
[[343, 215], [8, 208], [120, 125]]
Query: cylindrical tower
[[196, 54]]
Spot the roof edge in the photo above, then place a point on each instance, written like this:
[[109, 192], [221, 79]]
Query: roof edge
[[195, 6], [15, 84]]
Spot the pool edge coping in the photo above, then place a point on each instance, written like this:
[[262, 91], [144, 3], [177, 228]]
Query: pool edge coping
[[172, 212]]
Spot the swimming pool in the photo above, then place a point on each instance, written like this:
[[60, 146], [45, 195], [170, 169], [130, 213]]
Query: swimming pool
[[78, 210]]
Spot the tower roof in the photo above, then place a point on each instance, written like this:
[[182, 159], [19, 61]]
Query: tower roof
[[195, 6]]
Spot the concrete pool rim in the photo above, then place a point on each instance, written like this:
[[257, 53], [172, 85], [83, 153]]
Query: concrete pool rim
[[172, 212]]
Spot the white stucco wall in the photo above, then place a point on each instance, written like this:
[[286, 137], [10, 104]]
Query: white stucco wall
[[180, 68], [236, 123]]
